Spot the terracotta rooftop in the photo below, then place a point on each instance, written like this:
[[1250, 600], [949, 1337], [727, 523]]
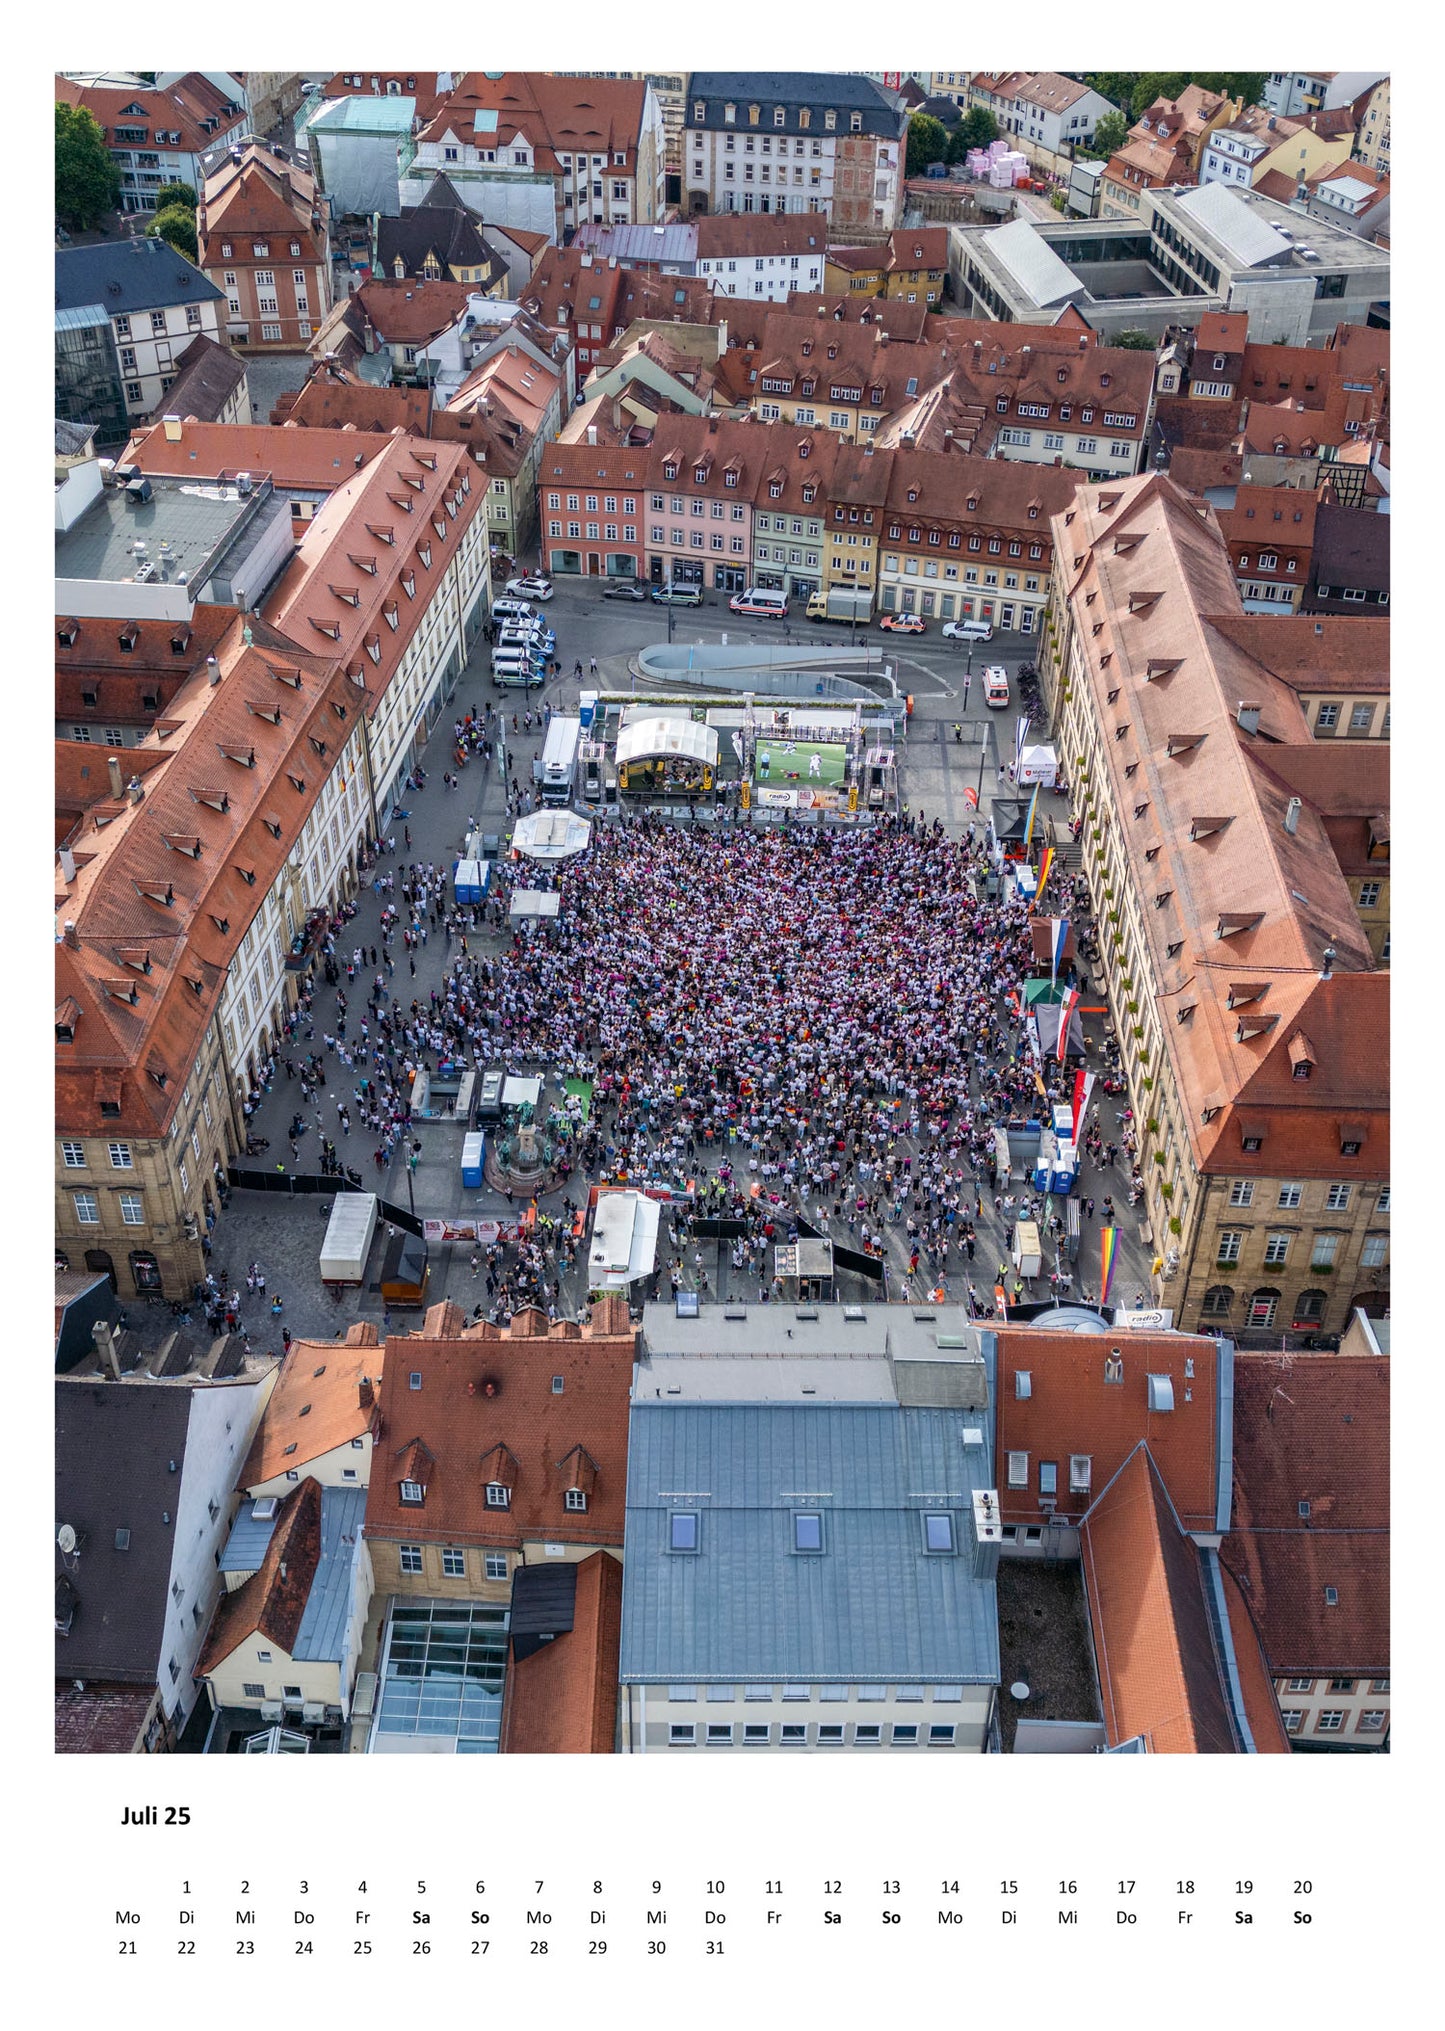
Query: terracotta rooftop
[[724, 234], [207, 376], [100, 1720], [562, 1699], [1159, 1670], [1314, 1429], [161, 896], [487, 1410], [324, 1396], [1313, 652], [184, 108], [1221, 331], [1243, 897], [411, 311], [559, 115], [292, 455], [1073, 1408], [273, 1600]]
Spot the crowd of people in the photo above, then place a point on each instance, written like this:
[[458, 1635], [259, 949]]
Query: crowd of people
[[795, 1023]]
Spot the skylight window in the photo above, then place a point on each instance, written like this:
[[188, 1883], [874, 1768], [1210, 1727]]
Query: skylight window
[[807, 1531], [938, 1533], [682, 1530]]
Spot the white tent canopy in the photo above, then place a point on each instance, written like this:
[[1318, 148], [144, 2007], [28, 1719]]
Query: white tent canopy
[[552, 835], [644, 737], [624, 1239]]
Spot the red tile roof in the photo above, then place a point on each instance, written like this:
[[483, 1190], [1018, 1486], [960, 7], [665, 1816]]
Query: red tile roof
[[486, 1397], [138, 890], [559, 115], [1313, 652], [101, 1720], [724, 234], [1072, 1408], [182, 108], [293, 456], [562, 1700], [1158, 1671], [324, 1396], [413, 310], [260, 202], [1314, 1428], [273, 1600]]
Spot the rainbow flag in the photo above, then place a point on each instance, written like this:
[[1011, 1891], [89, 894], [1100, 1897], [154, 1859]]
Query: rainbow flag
[[1108, 1249], [1046, 862], [1033, 813]]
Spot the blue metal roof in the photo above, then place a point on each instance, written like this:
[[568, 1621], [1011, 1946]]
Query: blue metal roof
[[322, 1635], [873, 1607], [126, 275]]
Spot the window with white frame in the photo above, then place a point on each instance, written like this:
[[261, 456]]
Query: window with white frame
[[454, 1562], [73, 1155], [132, 1209], [410, 1558]]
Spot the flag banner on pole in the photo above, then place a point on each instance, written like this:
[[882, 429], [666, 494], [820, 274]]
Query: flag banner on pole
[[1083, 1087], [1021, 734], [1058, 938], [1108, 1247], [1033, 813], [1066, 1010], [1046, 861]]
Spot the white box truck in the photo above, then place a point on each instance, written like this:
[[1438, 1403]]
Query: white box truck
[[348, 1238], [840, 603], [559, 759]]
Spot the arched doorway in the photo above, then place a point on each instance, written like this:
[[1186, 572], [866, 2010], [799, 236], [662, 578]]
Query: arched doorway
[[98, 1259]]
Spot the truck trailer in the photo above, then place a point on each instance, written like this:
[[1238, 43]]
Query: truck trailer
[[840, 603], [559, 759]]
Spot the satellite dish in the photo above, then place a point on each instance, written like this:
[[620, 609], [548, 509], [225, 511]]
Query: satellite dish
[[65, 1538]]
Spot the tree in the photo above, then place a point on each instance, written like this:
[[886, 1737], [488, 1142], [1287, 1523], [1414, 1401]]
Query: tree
[[978, 127], [1111, 133], [178, 229], [1133, 341], [87, 182], [1152, 85], [176, 196], [927, 142], [1115, 86]]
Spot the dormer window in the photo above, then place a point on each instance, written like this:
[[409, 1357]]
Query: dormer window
[[499, 1495], [413, 1492], [575, 1500]]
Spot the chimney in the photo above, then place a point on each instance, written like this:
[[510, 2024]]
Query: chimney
[[1291, 816], [1248, 717], [72, 936], [117, 780], [105, 1348], [612, 260], [173, 429], [1327, 969], [67, 865], [213, 670], [592, 433], [135, 790], [366, 1394], [286, 186]]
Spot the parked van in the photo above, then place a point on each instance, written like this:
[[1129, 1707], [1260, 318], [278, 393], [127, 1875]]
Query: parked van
[[513, 610], [516, 667], [771, 606], [968, 631], [995, 685]]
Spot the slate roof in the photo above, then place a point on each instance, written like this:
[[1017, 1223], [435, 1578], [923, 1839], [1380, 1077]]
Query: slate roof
[[207, 376], [114, 1443], [873, 1606], [847, 92], [127, 275], [1316, 1429], [438, 224]]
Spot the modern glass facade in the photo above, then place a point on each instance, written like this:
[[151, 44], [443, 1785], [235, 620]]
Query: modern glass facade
[[441, 1678], [87, 374]]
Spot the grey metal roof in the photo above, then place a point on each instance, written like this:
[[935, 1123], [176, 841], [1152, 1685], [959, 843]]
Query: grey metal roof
[[1249, 240], [845, 91], [1020, 250], [907, 1332], [764, 1378], [126, 275], [745, 1606], [246, 1545], [322, 1635], [675, 241], [69, 439]]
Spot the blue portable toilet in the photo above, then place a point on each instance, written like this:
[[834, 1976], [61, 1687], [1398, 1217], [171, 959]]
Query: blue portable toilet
[[473, 1151], [587, 709]]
